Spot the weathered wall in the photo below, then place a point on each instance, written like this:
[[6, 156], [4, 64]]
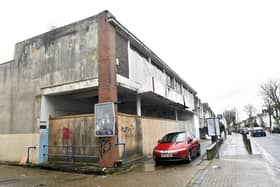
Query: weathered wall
[[140, 134], [154, 129], [152, 79], [5, 97], [14, 147], [73, 130], [130, 133], [64, 55], [122, 56]]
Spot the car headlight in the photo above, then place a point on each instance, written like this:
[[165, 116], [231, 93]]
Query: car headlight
[[157, 150], [170, 151], [178, 150]]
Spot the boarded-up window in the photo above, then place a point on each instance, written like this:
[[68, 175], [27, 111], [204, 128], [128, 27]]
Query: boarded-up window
[[178, 87], [169, 80], [122, 56]]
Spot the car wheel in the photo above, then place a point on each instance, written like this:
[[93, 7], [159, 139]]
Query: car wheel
[[189, 156], [157, 162]]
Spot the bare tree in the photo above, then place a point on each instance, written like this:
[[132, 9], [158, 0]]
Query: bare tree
[[250, 110], [230, 116], [271, 94]]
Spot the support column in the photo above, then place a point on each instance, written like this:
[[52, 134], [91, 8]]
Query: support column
[[196, 126], [138, 104], [47, 109], [107, 89], [129, 58], [176, 114]]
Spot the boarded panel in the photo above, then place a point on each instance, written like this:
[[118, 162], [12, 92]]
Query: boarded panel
[[122, 56], [130, 133], [77, 132], [154, 129], [140, 134]]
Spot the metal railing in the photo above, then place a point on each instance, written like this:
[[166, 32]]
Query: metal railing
[[71, 151]]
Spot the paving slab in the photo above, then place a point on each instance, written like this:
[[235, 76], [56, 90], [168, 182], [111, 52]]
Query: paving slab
[[236, 168]]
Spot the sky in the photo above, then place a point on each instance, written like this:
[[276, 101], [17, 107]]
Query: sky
[[224, 49]]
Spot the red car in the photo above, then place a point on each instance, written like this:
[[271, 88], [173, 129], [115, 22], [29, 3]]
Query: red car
[[176, 146]]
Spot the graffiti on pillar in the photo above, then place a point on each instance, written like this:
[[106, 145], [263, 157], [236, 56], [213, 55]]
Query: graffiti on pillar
[[105, 146]]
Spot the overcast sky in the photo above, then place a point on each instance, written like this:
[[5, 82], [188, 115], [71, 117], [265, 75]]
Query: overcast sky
[[223, 49]]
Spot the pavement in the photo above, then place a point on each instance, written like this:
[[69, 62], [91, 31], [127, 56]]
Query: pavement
[[86, 168], [143, 174], [236, 167]]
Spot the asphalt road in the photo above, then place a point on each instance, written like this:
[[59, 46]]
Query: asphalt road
[[269, 147]]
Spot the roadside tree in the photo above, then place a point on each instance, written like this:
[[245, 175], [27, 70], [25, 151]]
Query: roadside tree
[[271, 95], [250, 111], [230, 117]]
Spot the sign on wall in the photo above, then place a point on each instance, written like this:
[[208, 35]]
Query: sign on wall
[[104, 119], [213, 126]]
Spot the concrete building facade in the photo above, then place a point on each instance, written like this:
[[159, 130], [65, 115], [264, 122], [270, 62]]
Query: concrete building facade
[[64, 72]]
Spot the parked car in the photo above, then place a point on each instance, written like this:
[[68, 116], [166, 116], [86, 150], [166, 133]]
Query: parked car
[[258, 131], [276, 130], [176, 146], [244, 130]]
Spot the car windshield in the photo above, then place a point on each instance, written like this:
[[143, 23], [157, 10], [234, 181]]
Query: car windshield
[[174, 137]]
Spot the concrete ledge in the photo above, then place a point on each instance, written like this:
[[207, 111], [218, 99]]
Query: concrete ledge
[[80, 167], [211, 151]]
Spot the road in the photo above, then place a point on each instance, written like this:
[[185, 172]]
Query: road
[[269, 148], [145, 174]]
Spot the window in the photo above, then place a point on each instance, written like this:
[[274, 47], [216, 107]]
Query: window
[[170, 82], [178, 87]]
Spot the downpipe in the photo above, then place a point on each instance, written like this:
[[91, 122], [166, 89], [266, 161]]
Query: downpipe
[[121, 162], [28, 153]]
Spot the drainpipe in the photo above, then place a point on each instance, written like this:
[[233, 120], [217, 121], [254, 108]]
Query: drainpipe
[[28, 150], [124, 153]]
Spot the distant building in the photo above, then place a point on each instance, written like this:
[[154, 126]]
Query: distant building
[[203, 111]]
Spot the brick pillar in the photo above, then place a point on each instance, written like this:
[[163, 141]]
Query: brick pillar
[[107, 89]]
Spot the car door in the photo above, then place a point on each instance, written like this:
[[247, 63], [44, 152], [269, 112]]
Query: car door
[[195, 144], [191, 143]]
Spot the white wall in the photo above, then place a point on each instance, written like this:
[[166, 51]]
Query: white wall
[[152, 79], [14, 147]]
